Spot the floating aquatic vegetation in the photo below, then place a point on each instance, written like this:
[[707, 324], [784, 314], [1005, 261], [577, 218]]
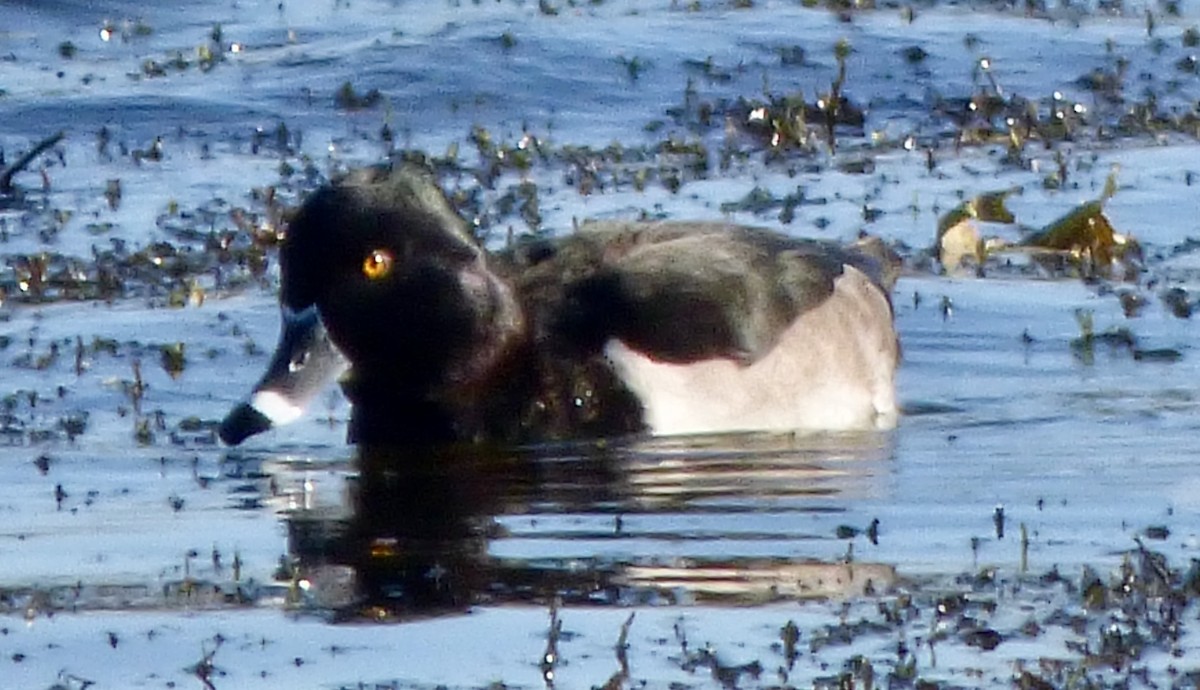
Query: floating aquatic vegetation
[[787, 122], [634, 66], [989, 114], [1087, 238], [1082, 241], [1177, 302], [783, 122], [112, 193], [1132, 302], [757, 200], [347, 98], [709, 70], [193, 431], [28, 418], [172, 359], [153, 152], [791, 56], [914, 54], [126, 30], [207, 55], [959, 241], [74, 423], [217, 246]]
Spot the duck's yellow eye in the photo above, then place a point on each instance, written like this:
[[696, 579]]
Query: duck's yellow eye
[[377, 264]]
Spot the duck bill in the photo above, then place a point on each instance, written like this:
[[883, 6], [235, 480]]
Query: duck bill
[[304, 363]]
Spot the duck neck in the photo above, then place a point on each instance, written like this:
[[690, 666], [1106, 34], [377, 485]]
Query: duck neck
[[381, 415]]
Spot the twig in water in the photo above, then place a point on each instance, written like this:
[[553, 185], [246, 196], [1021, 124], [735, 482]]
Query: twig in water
[[550, 656], [6, 186]]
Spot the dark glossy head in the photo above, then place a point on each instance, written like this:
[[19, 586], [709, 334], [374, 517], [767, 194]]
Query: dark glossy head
[[402, 287]]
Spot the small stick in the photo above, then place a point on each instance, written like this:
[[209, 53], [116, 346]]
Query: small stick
[[6, 185]]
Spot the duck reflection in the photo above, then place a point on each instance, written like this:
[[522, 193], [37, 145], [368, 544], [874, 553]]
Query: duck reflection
[[432, 532]]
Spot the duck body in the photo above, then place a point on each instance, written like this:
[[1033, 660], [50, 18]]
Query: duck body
[[616, 328]]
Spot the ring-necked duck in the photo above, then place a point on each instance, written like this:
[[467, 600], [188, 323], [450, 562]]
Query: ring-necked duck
[[618, 327]]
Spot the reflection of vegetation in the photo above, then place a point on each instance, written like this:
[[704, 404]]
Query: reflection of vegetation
[[1118, 340]]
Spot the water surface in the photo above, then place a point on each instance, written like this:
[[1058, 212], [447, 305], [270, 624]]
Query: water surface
[[135, 551]]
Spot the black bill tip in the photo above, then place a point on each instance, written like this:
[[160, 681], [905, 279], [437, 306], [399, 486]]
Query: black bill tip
[[241, 423]]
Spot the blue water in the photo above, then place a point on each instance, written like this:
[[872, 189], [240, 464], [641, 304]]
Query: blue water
[[125, 519]]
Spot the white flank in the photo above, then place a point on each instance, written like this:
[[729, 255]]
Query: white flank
[[833, 369], [276, 407]]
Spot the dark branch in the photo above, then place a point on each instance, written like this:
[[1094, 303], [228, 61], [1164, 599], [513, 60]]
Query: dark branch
[[6, 186]]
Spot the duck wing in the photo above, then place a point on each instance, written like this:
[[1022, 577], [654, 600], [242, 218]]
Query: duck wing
[[681, 292]]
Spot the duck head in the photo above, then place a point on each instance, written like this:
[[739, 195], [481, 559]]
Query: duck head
[[405, 294], [305, 361]]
